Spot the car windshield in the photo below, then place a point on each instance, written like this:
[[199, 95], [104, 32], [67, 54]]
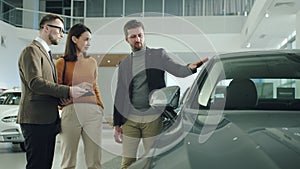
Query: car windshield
[[266, 82]]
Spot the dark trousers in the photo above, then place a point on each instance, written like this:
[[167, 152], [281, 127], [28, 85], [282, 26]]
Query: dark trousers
[[39, 145]]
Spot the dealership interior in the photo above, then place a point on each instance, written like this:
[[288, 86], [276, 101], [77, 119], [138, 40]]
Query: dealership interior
[[189, 29]]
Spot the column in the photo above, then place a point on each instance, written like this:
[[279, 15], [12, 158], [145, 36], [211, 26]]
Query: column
[[31, 14], [297, 92]]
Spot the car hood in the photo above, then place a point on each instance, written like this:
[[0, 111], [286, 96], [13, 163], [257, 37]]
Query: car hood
[[8, 110], [229, 145]]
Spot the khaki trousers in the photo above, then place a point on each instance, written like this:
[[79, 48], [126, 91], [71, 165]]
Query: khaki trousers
[[81, 120], [137, 128]]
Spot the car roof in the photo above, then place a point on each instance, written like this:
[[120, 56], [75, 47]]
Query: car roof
[[253, 64], [258, 52], [13, 90]]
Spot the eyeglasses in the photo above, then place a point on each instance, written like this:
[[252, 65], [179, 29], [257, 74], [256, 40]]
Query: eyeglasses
[[61, 30]]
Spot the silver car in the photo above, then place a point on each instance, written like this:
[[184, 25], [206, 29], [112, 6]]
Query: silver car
[[242, 111], [10, 131]]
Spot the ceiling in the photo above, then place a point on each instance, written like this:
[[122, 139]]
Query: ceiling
[[259, 31], [269, 32]]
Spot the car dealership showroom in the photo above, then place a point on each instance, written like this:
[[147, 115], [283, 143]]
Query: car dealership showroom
[[240, 110]]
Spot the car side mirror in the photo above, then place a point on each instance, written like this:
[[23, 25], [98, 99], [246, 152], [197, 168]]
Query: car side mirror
[[167, 97]]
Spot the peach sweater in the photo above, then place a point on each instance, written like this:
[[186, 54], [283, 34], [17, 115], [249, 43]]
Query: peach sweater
[[83, 70]]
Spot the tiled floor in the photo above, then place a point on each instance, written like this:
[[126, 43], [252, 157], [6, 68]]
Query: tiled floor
[[12, 158]]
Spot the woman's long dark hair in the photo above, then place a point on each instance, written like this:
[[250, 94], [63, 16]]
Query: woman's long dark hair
[[70, 51]]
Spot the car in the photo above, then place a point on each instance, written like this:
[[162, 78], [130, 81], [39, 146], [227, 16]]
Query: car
[[242, 111], [10, 131]]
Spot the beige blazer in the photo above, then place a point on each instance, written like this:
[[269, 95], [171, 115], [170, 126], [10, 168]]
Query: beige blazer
[[40, 91]]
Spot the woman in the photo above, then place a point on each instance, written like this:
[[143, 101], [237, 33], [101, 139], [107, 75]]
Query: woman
[[81, 116]]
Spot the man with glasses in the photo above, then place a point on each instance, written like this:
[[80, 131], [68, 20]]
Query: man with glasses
[[38, 112]]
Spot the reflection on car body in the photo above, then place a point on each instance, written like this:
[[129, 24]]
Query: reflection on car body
[[242, 111]]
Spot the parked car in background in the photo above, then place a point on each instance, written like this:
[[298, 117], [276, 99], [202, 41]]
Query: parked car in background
[[2, 90], [242, 111], [10, 131]]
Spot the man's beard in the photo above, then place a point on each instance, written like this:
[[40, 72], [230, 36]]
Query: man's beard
[[137, 47], [53, 41]]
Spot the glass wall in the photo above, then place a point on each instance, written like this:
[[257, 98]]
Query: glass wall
[[153, 7], [121, 8], [194, 7], [78, 8], [55, 6], [173, 7], [12, 12], [9, 14], [113, 8], [133, 7], [95, 8]]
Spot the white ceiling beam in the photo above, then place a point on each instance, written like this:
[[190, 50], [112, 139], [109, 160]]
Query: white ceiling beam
[[255, 17]]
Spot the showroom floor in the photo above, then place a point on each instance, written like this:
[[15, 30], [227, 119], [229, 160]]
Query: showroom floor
[[12, 158]]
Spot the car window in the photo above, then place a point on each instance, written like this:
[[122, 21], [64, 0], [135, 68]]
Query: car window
[[4, 97], [210, 83], [10, 98], [267, 83], [271, 93]]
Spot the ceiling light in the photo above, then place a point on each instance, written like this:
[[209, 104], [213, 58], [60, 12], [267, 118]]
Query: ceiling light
[[267, 15], [108, 61], [294, 34], [248, 45]]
